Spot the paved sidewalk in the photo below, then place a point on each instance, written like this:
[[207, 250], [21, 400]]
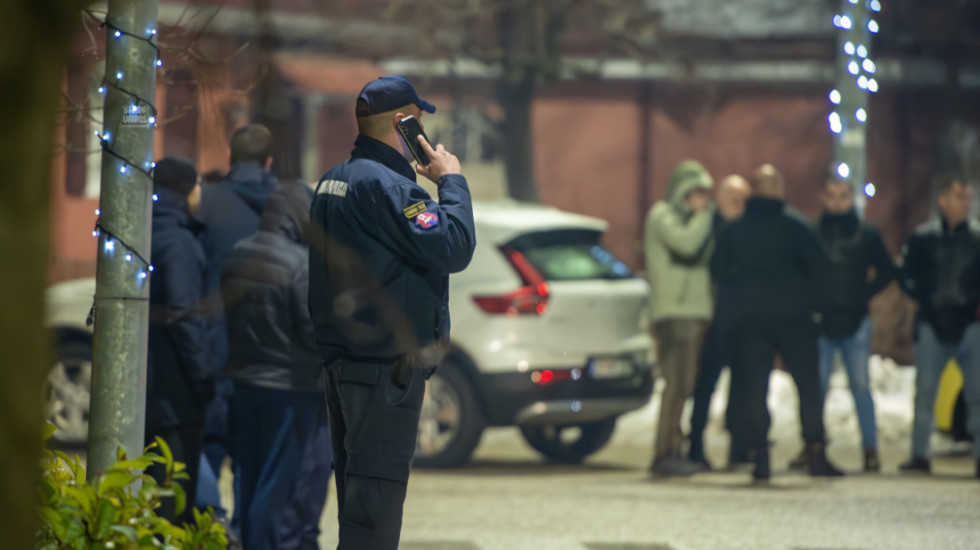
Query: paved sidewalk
[[508, 500]]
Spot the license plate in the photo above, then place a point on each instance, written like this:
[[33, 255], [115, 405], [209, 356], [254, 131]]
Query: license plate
[[611, 368]]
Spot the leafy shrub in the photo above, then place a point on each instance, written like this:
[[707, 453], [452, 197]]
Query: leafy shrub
[[117, 509]]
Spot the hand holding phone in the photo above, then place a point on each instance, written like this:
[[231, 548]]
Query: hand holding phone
[[410, 129], [441, 161]]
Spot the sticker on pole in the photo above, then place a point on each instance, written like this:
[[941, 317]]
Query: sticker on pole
[[137, 116], [426, 220]]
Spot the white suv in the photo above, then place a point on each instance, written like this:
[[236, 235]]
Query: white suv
[[546, 336]]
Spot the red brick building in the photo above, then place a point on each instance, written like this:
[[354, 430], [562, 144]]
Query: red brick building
[[732, 93]]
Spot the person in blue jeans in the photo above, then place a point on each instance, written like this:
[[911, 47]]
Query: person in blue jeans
[[940, 272], [860, 267], [278, 413]]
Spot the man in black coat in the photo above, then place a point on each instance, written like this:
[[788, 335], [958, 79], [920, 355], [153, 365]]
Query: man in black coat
[[179, 379], [733, 191], [767, 265], [229, 212], [937, 273], [278, 417], [860, 267]]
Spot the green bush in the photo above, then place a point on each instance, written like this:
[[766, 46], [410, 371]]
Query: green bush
[[117, 510]]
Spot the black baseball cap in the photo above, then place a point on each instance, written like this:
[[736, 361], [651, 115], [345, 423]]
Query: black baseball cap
[[388, 93], [175, 174]]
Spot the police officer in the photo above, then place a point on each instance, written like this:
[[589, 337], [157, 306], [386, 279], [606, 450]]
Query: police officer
[[381, 253]]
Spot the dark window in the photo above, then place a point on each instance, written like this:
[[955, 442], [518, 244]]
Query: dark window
[[570, 255]]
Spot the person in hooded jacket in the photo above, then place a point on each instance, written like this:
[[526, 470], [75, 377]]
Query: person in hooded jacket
[[229, 212], [179, 380], [678, 242], [278, 421]]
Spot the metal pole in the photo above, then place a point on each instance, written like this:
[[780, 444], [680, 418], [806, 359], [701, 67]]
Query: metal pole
[[118, 403], [855, 79], [311, 138]]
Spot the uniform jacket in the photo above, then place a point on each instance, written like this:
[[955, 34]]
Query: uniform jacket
[[768, 264], [854, 249], [381, 253], [179, 380], [265, 290], [936, 272], [677, 244]]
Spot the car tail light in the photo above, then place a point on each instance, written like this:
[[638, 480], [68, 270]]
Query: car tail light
[[530, 299], [548, 377]]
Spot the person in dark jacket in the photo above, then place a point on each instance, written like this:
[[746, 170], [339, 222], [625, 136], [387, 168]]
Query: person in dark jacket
[[767, 265], [229, 212], [277, 407], [179, 381], [733, 191], [936, 273], [860, 267], [381, 253]]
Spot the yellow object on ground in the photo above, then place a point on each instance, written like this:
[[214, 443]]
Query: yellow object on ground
[[950, 386]]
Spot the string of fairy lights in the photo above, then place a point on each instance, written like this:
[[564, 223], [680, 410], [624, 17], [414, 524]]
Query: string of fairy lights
[[857, 25], [141, 111]]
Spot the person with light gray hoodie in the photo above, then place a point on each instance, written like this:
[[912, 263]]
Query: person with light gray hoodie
[[678, 244]]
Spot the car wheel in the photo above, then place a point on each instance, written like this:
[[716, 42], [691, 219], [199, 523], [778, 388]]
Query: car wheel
[[67, 390], [569, 444], [451, 421]]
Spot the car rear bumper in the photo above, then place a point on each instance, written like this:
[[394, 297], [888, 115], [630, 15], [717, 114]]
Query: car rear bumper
[[577, 411], [513, 399]]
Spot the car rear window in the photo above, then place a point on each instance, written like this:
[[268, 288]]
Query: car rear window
[[570, 255]]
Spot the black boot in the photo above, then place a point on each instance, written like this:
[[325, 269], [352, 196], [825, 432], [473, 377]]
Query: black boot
[[799, 463], [816, 457], [915, 465], [761, 473], [871, 463], [695, 453], [738, 458], [675, 466]]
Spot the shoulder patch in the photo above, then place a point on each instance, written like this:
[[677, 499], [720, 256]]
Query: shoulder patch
[[427, 220], [334, 187], [414, 210]]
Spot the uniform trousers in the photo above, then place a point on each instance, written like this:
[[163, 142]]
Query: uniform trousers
[[374, 411]]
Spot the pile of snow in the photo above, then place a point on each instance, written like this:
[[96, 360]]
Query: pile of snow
[[893, 388]]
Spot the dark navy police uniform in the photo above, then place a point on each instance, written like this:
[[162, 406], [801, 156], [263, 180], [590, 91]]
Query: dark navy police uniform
[[381, 253]]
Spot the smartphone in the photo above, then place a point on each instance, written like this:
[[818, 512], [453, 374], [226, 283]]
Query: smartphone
[[411, 129]]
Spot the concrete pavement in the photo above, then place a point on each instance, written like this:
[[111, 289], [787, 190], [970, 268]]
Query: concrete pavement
[[508, 499]]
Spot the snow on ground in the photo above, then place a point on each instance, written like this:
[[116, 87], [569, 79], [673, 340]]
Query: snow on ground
[[892, 390]]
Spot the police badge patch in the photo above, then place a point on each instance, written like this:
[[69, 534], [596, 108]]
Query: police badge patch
[[427, 220]]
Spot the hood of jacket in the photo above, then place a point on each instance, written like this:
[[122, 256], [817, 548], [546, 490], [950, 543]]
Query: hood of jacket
[[688, 176], [287, 212], [252, 183]]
